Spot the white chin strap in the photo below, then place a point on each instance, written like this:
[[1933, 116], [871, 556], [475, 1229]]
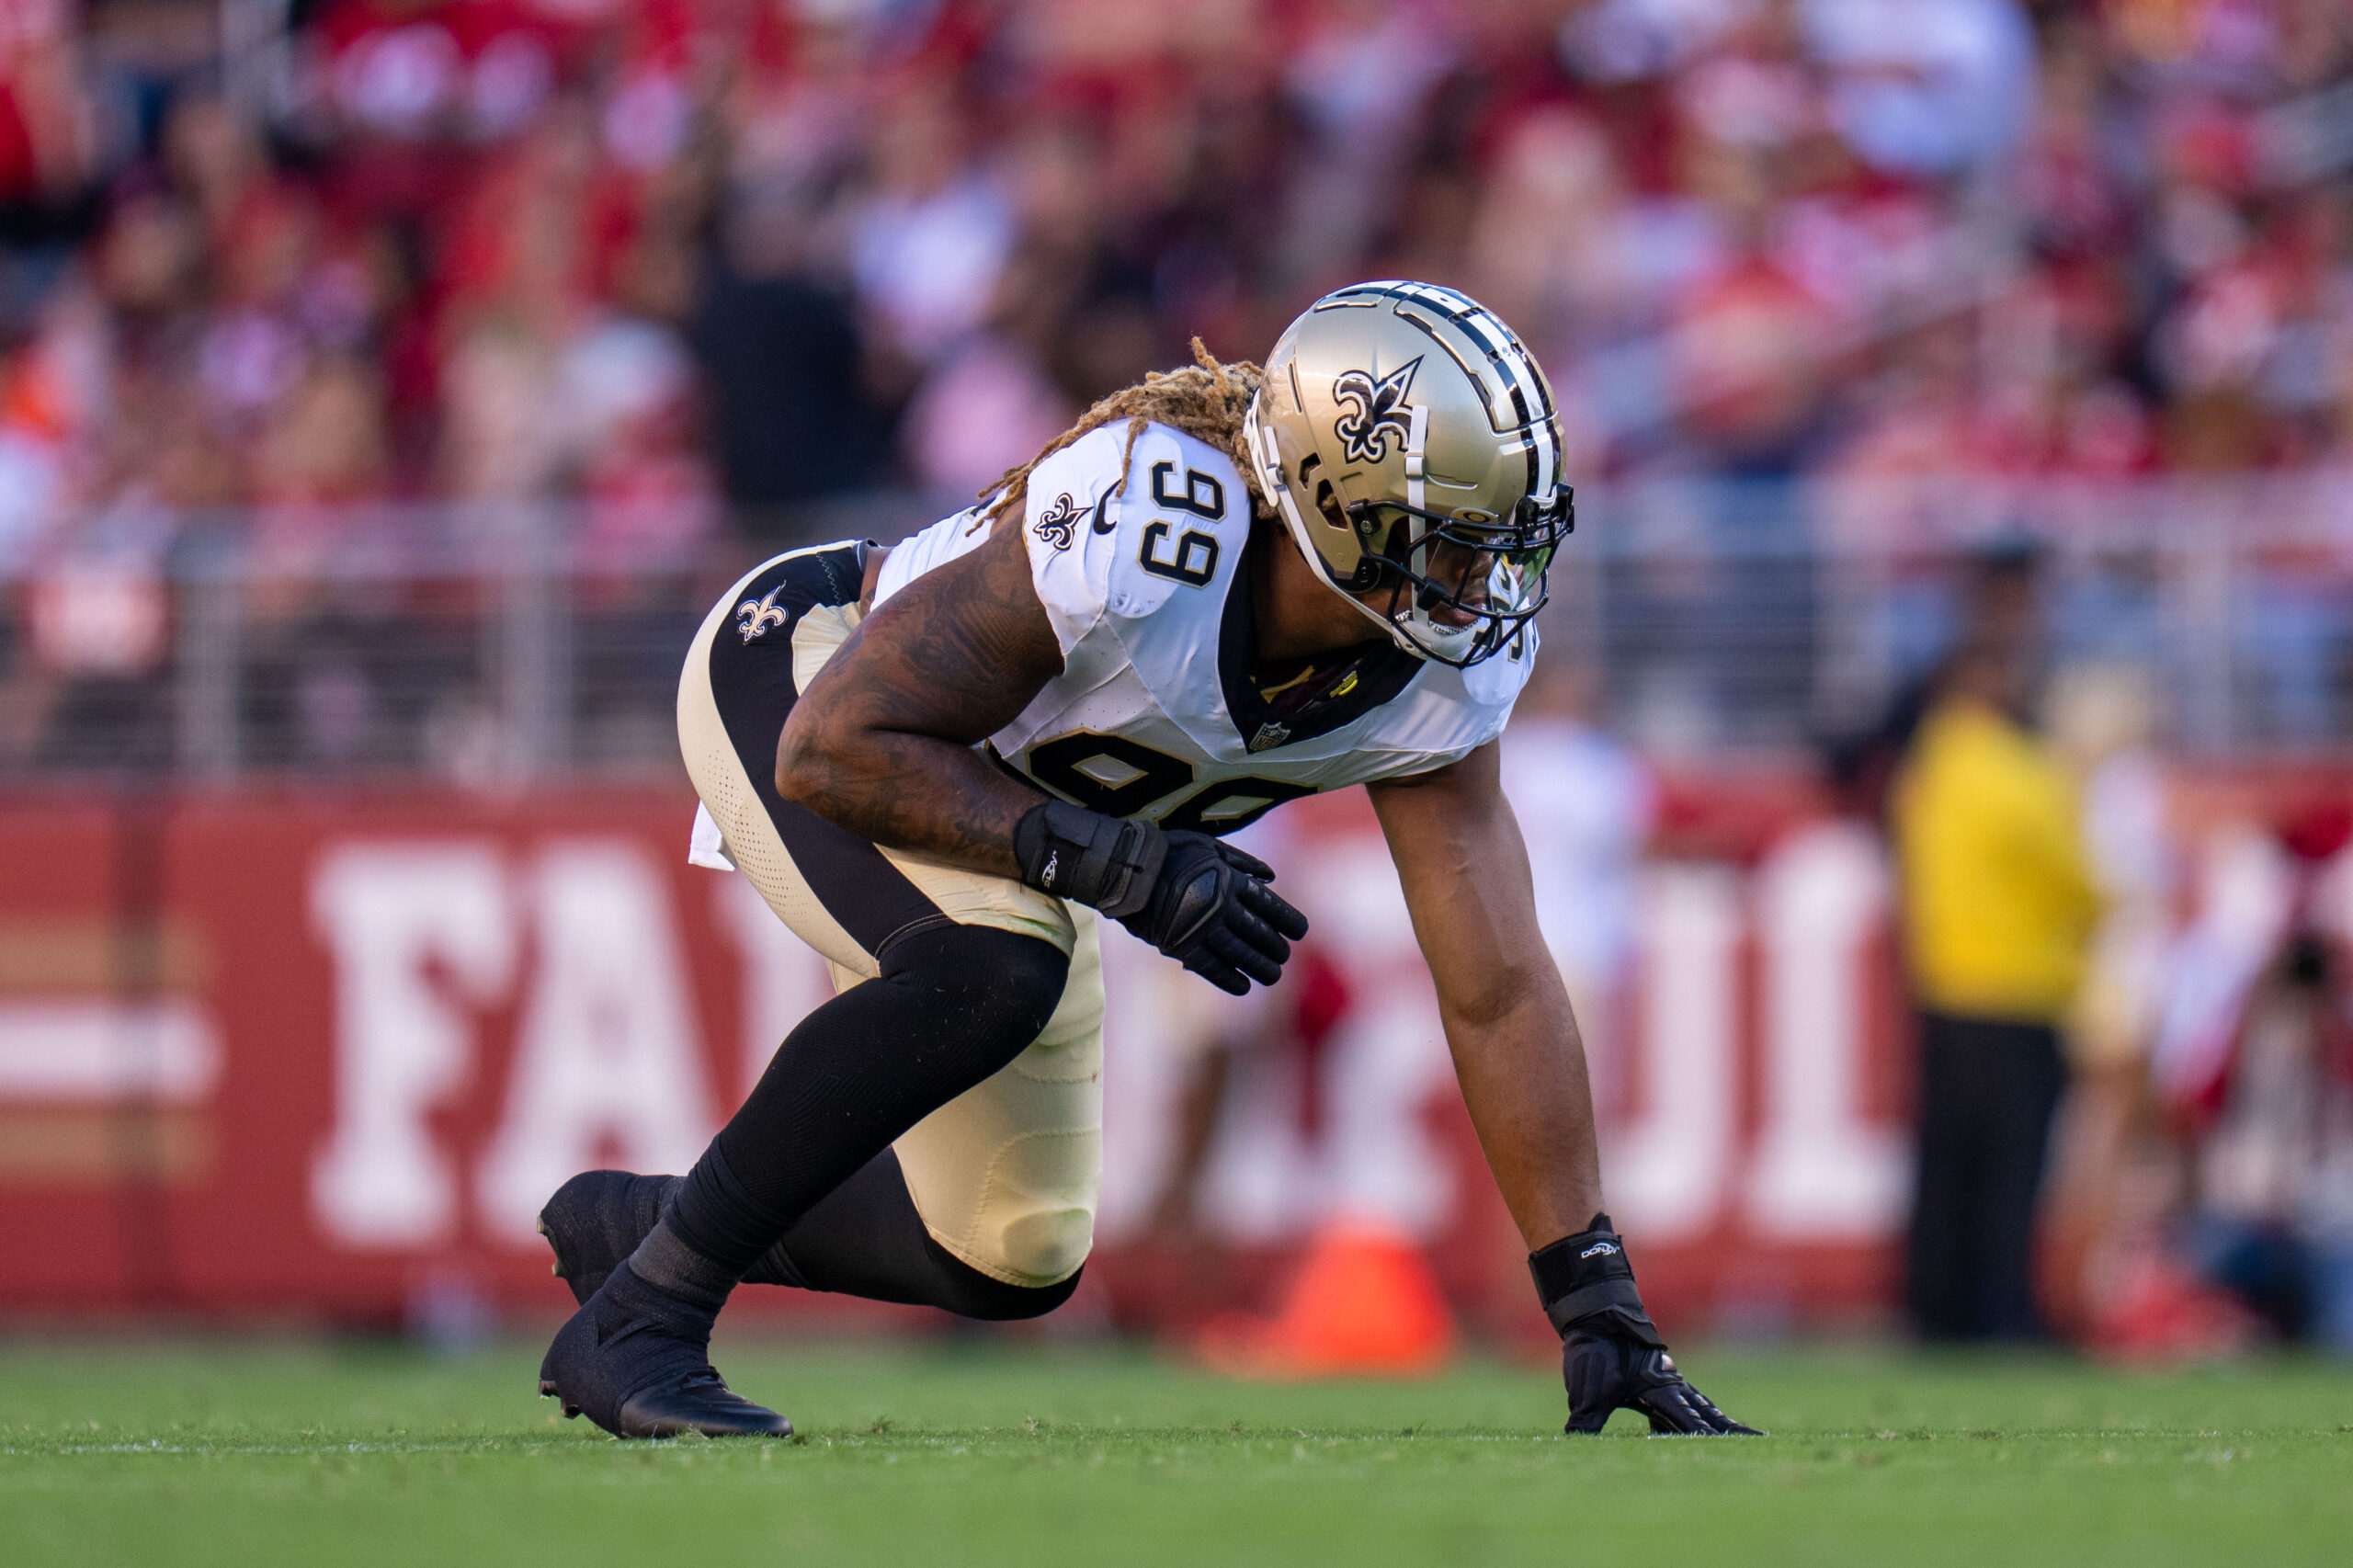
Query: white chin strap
[[1417, 438]]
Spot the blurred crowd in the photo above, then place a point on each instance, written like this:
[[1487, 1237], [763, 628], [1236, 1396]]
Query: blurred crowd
[[682, 260]]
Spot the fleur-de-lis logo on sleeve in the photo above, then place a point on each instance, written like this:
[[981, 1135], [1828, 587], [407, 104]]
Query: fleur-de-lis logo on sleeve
[[754, 617], [1374, 412], [1055, 524]]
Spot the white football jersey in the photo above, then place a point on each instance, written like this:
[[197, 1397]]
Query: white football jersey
[[1156, 713]]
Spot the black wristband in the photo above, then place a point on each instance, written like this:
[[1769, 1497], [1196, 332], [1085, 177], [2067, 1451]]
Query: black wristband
[[1586, 1281], [1089, 858]]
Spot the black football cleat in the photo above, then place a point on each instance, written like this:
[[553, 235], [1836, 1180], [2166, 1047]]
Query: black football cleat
[[636, 1361], [596, 1218]]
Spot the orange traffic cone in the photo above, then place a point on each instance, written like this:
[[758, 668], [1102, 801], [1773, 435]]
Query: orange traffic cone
[[1365, 1303]]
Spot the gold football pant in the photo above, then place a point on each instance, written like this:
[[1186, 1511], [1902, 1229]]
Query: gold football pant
[[1006, 1176]]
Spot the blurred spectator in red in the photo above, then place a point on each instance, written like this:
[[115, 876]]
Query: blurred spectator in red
[[2254, 1062], [48, 138], [627, 390], [903, 240]]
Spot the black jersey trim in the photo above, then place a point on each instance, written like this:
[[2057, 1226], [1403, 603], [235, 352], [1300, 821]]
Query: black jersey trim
[[1382, 670]]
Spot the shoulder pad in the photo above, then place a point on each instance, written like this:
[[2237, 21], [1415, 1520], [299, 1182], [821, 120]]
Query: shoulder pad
[[1183, 521], [1096, 546]]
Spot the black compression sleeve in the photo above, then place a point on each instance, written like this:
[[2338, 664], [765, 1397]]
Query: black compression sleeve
[[952, 1005], [865, 1238]]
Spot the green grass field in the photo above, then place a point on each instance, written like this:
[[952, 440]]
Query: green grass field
[[254, 1453]]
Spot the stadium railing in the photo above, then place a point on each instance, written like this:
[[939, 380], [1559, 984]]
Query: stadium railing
[[491, 645]]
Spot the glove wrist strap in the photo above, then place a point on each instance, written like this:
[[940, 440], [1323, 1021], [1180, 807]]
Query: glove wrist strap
[[1586, 1282], [1089, 858]]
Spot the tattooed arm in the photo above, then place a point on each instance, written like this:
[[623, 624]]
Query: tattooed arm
[[882, 742]]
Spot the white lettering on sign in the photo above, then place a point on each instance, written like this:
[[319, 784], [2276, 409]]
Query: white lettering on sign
[[608, 1063], [1385, 1063], [609, 1067], [2248, 890], [417, 930], [784, 977], [1666, 1169], [1822, 1171], [1368, 1153], [67, 1049]]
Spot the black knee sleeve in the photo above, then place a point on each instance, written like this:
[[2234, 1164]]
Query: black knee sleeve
[[953, 1004], [865, 1238]]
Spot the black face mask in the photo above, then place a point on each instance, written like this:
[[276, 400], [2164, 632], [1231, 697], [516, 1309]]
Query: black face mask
[[1494, 571]]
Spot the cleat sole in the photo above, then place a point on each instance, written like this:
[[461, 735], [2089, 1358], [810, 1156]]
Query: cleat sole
[[549, 1391], [658, 1431]]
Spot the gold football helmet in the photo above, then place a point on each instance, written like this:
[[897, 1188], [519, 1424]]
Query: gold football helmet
[[1405, 437]]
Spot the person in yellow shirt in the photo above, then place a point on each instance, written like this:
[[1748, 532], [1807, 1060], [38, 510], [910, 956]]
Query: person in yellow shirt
[[1998, 909]]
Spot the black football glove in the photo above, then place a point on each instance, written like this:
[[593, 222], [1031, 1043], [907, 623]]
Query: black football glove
[[1604, 1374], [1211, 910], [1612, 1356], [1204, 904]]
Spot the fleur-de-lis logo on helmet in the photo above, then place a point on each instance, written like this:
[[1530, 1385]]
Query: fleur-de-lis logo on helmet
[[754, 617], [1374, 410]]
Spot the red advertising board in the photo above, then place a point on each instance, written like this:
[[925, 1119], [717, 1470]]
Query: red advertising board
[[323, 1056]]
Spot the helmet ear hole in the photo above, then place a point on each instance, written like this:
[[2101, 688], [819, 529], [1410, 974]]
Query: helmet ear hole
[[1329, 505]]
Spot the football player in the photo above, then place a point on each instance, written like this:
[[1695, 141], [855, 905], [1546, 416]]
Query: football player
[[940, 764]]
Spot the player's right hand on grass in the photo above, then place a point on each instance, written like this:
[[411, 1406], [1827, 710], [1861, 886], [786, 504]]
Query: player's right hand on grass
[[1612, 1356], [1606, 1374], [1204, 904]]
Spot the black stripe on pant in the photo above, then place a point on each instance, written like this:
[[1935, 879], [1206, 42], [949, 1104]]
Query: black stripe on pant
[[804, 1172], [752, 683]]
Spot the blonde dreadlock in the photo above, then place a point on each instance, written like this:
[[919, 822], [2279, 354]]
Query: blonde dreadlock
[[1206, 400]]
